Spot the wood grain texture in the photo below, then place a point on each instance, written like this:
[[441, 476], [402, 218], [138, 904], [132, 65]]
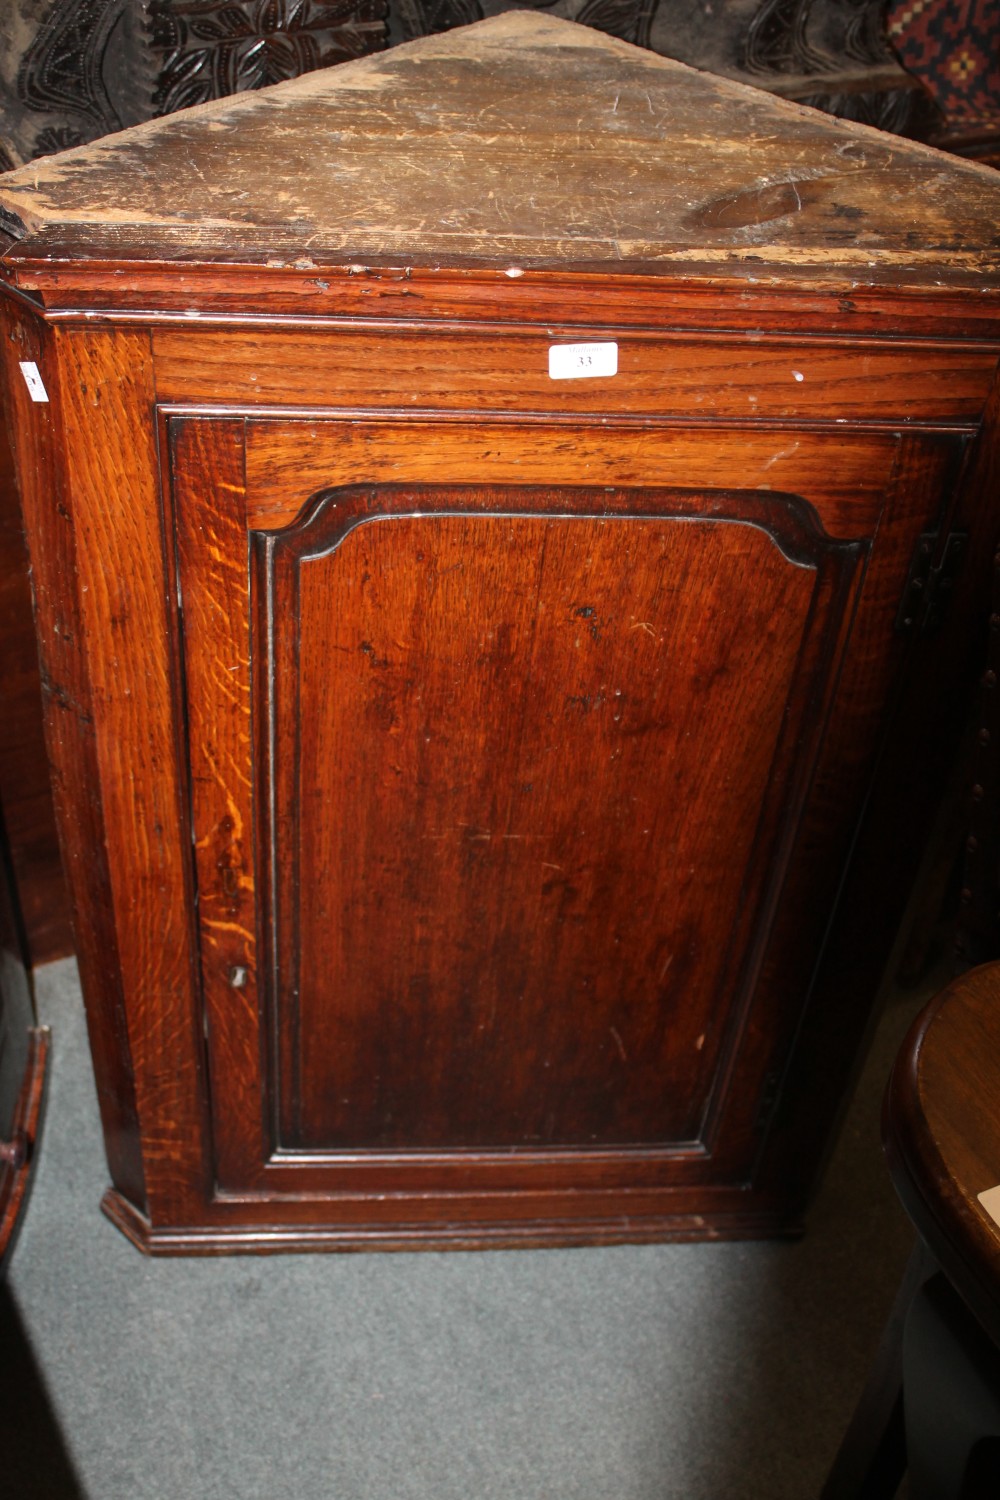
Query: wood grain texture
[[912, 478], [244, 1226], [45, 491], [841, 474], [534, 818], [314, 1188], [125, 615], [332, 1182], [285, 1169], [555, 144], [95, 271], [739, 378], [206, 470]]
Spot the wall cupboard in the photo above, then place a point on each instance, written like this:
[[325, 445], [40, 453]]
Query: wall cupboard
[[488, 596]]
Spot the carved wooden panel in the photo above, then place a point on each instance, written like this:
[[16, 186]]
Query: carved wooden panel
[[522, 800], [494, 792], [72, 71], [206, 49]]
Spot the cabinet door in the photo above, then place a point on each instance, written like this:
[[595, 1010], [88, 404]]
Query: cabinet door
[[515, 794]]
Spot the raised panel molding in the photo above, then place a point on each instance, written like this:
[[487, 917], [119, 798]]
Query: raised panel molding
[[358, 825], [482, 672]]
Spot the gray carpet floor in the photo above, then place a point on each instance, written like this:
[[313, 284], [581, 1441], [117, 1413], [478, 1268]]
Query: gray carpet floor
[[673, 1372]]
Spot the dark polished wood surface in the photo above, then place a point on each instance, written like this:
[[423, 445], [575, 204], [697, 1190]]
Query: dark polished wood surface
[[485, 796], [920, 1408], [942, 1135], [84, 71]]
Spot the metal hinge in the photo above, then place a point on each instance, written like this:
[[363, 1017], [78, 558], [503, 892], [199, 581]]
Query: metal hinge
[[929, 586]]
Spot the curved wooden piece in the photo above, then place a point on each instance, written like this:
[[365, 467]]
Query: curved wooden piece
[[15, 1179], [941, 1129], [23, 1053]]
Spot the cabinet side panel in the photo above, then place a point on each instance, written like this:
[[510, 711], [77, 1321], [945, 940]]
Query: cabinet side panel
[[859, 712], [40, 431], [127, 616], [917, 697]]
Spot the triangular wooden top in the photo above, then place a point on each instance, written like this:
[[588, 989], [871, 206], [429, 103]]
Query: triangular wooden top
[[522, 140]]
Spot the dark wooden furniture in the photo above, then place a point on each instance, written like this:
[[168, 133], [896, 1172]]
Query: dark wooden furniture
[[72, 71], [935, 1387], [942, 1136], [461, 737]]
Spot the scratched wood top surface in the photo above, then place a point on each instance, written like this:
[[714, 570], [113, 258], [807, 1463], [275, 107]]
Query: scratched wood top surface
[[523, 140]]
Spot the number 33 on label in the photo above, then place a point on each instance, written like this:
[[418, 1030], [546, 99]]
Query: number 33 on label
[[580, 361]]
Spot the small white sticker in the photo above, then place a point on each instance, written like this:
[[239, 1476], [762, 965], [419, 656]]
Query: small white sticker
[[582, 361], [32, 379], [991, 1202]]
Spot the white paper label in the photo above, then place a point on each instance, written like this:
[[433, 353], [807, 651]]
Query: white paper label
[[991, 1202], [32, 379], [580, 361]]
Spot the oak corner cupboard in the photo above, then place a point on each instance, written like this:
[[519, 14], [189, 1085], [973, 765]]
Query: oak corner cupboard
[[510, 522]]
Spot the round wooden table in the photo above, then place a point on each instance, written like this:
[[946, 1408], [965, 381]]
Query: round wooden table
[[932, 1400], [941, 1131]]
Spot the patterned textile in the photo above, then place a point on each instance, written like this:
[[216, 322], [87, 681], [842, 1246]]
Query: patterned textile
[[74, 70], [953, 47]]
